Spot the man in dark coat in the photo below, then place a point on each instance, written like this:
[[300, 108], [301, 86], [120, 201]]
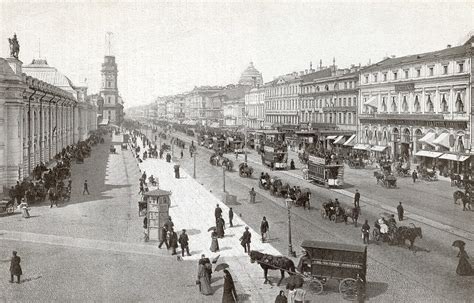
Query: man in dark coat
[[264, 228], [173, 241], [15, 268], [356, 198], [184, 242], [252, 194], [164, 235], [245, 240], [365, 232], [207, 263], [169, 224], [414, 176], [400, 211], [217, 212], [231, 216]]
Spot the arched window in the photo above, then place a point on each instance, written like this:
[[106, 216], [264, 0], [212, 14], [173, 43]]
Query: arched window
[[405, 104], [406, 136], [459, 104], [416, 105], [394, 105], [444, 104], [384, 105], [326, 87], [429, 105], [460, 145]]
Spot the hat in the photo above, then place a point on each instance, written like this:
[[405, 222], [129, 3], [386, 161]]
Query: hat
[[14, 252], [246, 227]]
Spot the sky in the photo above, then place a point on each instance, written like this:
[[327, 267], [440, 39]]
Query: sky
[[168, 48]]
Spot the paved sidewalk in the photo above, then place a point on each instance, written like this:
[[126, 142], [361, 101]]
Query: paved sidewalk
[[192, 208]]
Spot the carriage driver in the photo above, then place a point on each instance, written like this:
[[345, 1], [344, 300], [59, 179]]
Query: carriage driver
[[263, 181], [304, 264]]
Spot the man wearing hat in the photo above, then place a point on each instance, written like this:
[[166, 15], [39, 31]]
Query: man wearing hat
[[217, 212], [169, 224], [245, 240], [184, 242], [15, 268]]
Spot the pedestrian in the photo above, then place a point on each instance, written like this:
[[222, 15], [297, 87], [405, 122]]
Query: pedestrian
[[217, 212], [220, 224], [231, 217], [141, 189], [176, 171], [365, 232], [214, 242], [360, 289], [184, 242], [15, 268], [414, 176], [25, 209], [236, 155], [173, 241], [400, 211], [246, 239], [164, 237], [86, 188], [356, 198], [182, 154], [464, 268], [169, 224], [229, 295], [253, 194], [203, 279], [281, 298], [299, 296], [264, 228]]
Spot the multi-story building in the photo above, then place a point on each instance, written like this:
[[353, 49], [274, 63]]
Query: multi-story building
[[251, 77], [418, 107], [255, 108], [41, 113], [233, 105], [197, 100], [112, 109], [281, 100]]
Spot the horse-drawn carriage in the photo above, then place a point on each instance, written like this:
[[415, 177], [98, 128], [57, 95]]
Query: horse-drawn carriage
[[277, 188], [402, 171], [428, 175], [343, 262], [389, 232], [301, 197], [356, 163], [7, 207], [386, 180], [337, 213], [112, 149], [245, 170], [218, 160]]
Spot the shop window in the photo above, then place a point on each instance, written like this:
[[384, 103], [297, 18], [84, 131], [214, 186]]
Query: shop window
[[459, 104]]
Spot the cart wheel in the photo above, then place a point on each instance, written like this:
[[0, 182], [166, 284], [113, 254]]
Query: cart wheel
[[10, 209], [333, 218], [347, 288], [314, 286]]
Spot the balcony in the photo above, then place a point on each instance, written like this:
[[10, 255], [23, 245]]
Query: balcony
[[456, 117]]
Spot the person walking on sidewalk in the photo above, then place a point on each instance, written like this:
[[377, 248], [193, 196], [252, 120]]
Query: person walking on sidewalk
[[15, 268], [184, 242], [356, 199], [173, 241], [169, 224], [86, 188], [246, 239], [264, 228], [365, 232], [400, 211], [231, 217], [229, 295], [217, 212], [220, 224], [414, 176], [164, 237], [253, 194], [214, 242]]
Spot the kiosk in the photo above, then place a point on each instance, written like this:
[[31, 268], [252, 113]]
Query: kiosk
[[155, 206]]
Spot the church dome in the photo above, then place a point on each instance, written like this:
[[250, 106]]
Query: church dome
[[251, 76]]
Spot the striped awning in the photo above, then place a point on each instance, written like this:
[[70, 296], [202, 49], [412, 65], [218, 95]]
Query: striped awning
[[350, 141], [339, 140], [442, 140], [428, 138], [331, 137]]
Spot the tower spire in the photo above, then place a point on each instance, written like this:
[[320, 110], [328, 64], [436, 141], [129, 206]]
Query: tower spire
[[109, 42]]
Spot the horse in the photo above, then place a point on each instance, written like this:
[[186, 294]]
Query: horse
[[270, 262], [408, 233], [303, 198], [353, 213]]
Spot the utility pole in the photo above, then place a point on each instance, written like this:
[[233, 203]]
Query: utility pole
[[194, 168], [223, 178], [289, 203]]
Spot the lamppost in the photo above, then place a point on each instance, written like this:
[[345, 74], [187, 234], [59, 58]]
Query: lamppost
[[194, 167], [289, 203], [223, 178], [245, 140]]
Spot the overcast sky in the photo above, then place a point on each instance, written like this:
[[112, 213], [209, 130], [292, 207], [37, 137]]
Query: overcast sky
[[168, 48]]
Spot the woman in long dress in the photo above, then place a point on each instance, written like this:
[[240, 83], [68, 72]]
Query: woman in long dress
[[204, 282], [464, 267], [25, 210], [220, 227], [229, 295], [214, 242]]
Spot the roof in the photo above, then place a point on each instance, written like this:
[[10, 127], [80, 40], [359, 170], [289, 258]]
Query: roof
[[157, 193], [430, 56], [333, 246], [317, 75], [40, 69]]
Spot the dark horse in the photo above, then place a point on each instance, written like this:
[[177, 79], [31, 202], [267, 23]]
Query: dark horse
[[273, 263], [408, 233]]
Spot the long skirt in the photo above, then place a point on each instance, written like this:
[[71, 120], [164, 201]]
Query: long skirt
[[464, 268], [214, 245], [205, 285], [25, 213]]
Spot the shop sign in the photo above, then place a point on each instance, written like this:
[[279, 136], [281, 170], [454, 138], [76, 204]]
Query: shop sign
[[405, 87]]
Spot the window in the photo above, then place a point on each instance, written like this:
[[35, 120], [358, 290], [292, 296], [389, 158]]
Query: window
[[431, 69], [384, 77], [461, 67], [405, 104], [384, 105], [459, 104], [345, 85], [395, 75], [344, 101], [445, 69], [327, 87], [366, 79], [429, 104], [406, 74], [394, 105], [375, 77], [444, 104], [416, 105]]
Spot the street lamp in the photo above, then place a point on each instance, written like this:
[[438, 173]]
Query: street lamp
[[289, 203], [194, 168], [223, 178]]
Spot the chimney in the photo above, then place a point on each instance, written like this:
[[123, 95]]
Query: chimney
[[448, 46], [301, 73], [305, 71], [320, 64]]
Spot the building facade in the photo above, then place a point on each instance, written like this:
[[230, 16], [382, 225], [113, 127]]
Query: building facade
[[255, 108], [112, 109], [40, 115], [233, 105], [282, 99], [418, 108]]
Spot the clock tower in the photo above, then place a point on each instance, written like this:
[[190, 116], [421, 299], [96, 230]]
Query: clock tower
[[112, 108]]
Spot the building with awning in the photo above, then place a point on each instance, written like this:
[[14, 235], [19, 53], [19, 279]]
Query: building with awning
[[339, 140], [378, 148], [331, 137], [428, 153], [428, 139], [454, 157], [350, 141], [362, 146], [442, 140]]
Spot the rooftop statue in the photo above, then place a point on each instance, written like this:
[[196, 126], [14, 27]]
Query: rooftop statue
[[14, 46]]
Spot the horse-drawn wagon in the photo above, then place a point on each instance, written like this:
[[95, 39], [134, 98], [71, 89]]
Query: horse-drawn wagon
[[7, 207], [245, 170], [327, 260]]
